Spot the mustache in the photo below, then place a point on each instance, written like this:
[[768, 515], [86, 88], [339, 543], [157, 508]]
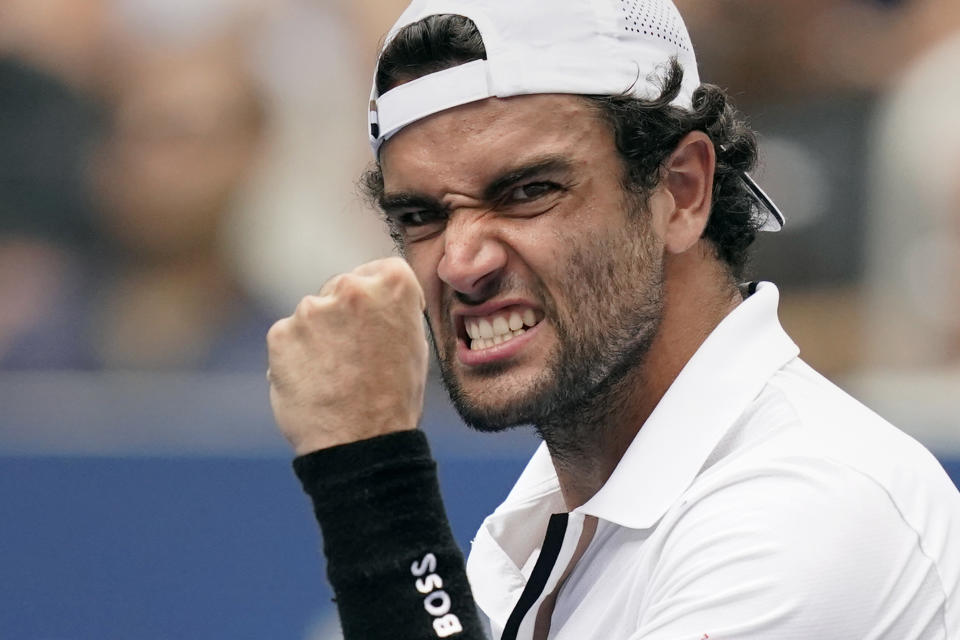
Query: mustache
[[495, 287], [443, 336], [490, 288]]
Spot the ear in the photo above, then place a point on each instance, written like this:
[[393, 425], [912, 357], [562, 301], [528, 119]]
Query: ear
[[688, 177]]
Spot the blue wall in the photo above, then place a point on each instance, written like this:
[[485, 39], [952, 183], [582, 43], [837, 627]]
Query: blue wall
[[156, 508], [95, 548]]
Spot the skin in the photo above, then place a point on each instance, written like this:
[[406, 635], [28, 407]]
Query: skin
[[351, 362], [485, 244], [473, 239]]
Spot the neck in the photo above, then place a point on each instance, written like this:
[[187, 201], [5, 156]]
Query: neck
[[587, 442]]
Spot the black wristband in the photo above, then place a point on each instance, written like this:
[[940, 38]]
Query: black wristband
[[395, 569]]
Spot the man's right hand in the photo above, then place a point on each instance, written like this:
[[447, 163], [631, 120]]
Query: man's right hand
[[351, 362]]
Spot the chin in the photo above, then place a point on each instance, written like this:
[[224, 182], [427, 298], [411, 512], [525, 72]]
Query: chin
[[488, 418], [498, 396], [490, 404]]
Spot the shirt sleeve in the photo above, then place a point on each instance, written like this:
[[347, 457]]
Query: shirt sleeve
[[395, 568]]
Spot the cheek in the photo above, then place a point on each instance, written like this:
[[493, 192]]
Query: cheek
[[423, 259]]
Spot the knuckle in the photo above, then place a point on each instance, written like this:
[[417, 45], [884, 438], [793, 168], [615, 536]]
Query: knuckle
[[392, 273], [353, 293], [399, 277], [278, 331], [331, 285], [309, 307], [396, 268], [349, 287]]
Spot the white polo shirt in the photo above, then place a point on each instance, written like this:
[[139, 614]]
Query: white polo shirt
[[758, 501]]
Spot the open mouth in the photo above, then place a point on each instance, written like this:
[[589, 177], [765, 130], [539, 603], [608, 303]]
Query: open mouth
[[483, 332]]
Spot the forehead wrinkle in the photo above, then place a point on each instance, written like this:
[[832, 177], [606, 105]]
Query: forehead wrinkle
[[462, 150]]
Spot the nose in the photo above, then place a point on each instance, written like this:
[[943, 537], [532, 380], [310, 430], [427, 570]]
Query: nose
[[473, 258]]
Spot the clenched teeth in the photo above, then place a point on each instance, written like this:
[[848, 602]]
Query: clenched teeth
[[501, 327], [481, 343]]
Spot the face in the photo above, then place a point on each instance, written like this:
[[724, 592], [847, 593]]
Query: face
[[543, 278], [184, 139]]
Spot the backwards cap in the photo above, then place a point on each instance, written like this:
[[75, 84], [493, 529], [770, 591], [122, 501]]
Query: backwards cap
[[585, 47]]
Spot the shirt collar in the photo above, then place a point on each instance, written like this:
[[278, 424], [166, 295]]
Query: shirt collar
[[726, 373], [712, 390]]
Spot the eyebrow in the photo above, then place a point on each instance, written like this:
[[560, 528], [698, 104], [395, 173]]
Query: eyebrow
[[537, 167], [394, 202]]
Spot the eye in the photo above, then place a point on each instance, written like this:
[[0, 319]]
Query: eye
[[418, 218], [531, 191], [418, 224]]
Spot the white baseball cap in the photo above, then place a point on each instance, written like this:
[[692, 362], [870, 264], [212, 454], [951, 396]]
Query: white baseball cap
[[584, 47]]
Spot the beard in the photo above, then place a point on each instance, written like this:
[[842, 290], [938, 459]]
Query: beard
[[604, 326]]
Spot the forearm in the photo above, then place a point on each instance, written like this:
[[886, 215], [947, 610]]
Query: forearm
[[395, 569]]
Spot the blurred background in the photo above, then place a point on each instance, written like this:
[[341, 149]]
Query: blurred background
[[176, 174]]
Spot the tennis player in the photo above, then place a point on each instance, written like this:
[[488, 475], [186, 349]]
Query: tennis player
[[574, 210]]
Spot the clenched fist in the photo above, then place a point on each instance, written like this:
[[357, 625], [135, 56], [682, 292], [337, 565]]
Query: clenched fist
[[351, 362]]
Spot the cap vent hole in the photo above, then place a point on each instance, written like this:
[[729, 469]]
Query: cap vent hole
[[656, 19]]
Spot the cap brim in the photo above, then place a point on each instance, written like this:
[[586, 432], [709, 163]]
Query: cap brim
[[774, 219]]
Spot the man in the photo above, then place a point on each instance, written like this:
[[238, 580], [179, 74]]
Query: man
[[574, 211]]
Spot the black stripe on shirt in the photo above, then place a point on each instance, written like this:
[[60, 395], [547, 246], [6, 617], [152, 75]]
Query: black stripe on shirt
[[553, 541]]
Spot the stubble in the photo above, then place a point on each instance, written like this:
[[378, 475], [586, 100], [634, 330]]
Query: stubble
[[611, 309]]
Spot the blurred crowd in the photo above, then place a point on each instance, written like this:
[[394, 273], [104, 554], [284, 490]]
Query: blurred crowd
[[855, 102], [174, 174]]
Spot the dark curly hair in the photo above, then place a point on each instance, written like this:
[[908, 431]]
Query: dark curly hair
[[646, 132]]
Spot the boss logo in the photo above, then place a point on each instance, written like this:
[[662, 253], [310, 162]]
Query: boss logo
[[437, 601]]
